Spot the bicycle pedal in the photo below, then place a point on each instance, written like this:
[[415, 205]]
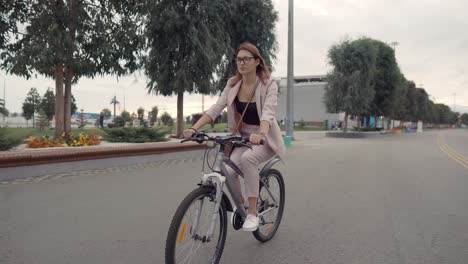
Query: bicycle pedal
[[236, 220]]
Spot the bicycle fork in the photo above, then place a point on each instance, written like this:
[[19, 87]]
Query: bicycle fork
[[217, 181]]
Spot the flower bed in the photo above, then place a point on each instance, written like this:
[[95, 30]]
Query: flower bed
[[83, 139]]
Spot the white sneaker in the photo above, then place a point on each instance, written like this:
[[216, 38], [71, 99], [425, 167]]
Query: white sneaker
[[250, 223]]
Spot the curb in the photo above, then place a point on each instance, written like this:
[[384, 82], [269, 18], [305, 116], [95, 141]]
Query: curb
[[66, 154], [355, 134]]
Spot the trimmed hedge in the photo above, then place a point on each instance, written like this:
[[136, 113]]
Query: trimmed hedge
[[135, 134], [7, 142]]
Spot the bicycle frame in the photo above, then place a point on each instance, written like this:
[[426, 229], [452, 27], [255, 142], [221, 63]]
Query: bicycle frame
[[220, 177]]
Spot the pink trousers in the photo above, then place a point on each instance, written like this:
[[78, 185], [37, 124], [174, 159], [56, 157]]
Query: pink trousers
[[248, 161]]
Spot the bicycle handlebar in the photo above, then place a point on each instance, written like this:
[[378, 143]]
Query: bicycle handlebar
[[201, 137]]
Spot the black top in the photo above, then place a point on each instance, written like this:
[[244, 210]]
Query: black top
[[251, 115]]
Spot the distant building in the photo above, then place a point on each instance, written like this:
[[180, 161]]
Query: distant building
[[308, 101]]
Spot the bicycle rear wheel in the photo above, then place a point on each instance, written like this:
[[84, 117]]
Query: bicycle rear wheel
[[272, 213], [186, 240]]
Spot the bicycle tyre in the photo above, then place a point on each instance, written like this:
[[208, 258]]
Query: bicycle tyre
[[171, 240], [257, 233]]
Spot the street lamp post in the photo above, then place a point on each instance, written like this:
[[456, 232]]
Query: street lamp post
[[394, 44], [290, 94]]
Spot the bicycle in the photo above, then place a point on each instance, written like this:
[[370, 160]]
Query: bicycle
[[193, 229]]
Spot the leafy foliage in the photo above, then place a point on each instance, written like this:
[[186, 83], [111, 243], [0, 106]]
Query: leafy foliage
[[31, 104], [166, 119], [351, 88], [82, 121], [7, 142], [42, 120], [135, 134], [67, 40], [464, 119], [3, 110], [107, 113], [48, 104], [203, 36], [126, 116], [153, 115]]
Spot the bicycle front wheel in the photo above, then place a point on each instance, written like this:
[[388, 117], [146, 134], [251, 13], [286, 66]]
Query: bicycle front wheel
[[270, 205], [187, 240]]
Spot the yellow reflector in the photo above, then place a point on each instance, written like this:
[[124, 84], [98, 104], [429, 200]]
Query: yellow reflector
[[182, 232], [269, 228]]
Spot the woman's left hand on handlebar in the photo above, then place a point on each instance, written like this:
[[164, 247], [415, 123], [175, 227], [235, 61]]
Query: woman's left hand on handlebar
[[256, 139], [188, 133]]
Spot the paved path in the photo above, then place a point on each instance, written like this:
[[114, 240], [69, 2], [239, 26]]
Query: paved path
[[397, 199]]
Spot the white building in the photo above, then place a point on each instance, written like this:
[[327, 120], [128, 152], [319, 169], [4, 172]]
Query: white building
[[308, 103]]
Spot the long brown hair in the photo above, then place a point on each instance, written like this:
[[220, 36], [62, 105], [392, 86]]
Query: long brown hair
[[262, 69]]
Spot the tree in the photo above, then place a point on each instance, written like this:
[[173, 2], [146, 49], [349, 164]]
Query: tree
[[464, 119], [422, 101], [386, 81], [187, 41], [3, 110], [126, 116], [224, 118], [73, 105], [43, 120], [154, 115], [31, 105], [82, 120], [141, 114], [107, 113], [67, 40], [166, 119], [252, 21], [114, 102], [350, 88], [48, 104]]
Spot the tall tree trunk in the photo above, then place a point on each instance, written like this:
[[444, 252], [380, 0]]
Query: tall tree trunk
[[180, 114], [59, 111], [67, 101], [34, 116], [345, 128], [57, 9], [69, 67]]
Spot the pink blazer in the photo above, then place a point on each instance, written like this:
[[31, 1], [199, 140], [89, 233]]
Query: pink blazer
[[266, 97]]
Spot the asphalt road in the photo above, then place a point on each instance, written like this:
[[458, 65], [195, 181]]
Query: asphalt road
[[392, 199]]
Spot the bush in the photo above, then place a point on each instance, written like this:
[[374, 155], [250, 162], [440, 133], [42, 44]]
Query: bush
[[135, 134], [6, 142], [119, 122], [166, 119]]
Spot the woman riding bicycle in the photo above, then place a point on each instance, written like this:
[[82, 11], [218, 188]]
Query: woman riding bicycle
[[250, 94]]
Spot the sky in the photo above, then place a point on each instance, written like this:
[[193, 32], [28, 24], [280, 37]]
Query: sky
[[432, 51]]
